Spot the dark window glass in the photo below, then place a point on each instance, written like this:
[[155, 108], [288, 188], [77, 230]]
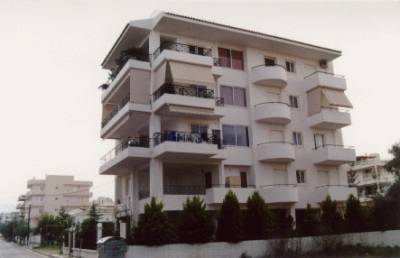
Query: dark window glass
[[237, 60], [243, 179], [269, 61], [227, 95], [242, 136], [208, 179], [239, 97], [228, 135], [224, 57], [293, 100]]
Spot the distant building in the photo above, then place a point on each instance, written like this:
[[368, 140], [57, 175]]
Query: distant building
[[368, 174], [49, 195], [8, 217], [105, 208]]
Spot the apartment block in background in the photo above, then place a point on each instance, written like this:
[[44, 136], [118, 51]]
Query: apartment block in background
[[368, 174], [49, 195], [200, 108]]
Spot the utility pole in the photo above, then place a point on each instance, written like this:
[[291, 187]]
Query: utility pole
[[29, 224]]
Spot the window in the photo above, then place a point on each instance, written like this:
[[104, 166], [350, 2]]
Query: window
[[233, 96], [297, 138], [269, 61], [290, 67], [243, 179], [294, 101], [319, 140], [301, 176], [231, 58], [208, 179], [235, 135]]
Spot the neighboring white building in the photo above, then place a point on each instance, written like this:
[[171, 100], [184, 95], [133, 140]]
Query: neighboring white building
[[105, 208], [200, 108], [368, 174], [50, 194], [8, 217]]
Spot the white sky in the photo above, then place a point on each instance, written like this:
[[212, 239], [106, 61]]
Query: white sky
[[51, 50]]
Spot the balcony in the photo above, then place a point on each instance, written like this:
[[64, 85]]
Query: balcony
[[280, 193], [22, 198], [125, 117], [340, 193], [275, 76], [182, 53], [330, 118], [127, 154], [276, 152], [331, 154], [324, 79], [172, 99], [186, 145], [273, 113], [216, 194]]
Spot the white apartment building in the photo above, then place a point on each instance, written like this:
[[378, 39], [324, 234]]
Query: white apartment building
[[7, 217], [200, 108], [370, 177], [49, 195], [105, 207]]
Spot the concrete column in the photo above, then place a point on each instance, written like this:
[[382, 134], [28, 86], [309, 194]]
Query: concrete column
[[156, 178], [154, 41], [293, 214], [154, 126], [221, 173], [99, 230]]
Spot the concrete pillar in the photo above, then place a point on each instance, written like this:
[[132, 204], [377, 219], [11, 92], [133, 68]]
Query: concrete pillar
[[154, 41], [154, 126], [221, 173], [293, 214], [156, 178], [99, 230]]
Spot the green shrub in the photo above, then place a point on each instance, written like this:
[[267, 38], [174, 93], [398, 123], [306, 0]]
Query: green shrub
[[153, 227], [310, 224], [229, 220], [194, 223], [331, 219], [258, 219], [354, 217]]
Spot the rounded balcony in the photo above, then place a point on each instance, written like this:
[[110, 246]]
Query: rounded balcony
[[273, 112], [276, 152], [269, 75]]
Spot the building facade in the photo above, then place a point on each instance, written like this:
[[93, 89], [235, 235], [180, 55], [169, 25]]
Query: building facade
[[199, 108], [51, 194], [104, 206], [370, 177]]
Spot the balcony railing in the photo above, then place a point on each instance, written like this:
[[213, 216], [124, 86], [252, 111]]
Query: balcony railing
[[179, 47], [231, 186], [143, 142], [185, 189], [323, 72], [278, 185], [333, 145], [177, 136], [124, 57], [143, 194], [187, 91], [114, 111]]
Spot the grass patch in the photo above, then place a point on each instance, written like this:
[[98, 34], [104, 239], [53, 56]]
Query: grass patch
[[48, 249]]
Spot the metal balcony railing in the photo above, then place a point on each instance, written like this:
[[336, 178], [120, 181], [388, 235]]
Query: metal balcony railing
[[333, 145], [185, 189], [178, 136], [143, 142], [187, 91], [179, 47], [114, 111]]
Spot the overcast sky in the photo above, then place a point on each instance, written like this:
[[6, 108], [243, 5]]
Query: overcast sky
[[51, 50]]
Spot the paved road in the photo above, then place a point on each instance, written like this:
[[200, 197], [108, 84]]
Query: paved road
[[10, 250]]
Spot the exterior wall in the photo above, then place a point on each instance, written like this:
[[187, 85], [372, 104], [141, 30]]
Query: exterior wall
[[236, 158], [263, 248], [49, 195]]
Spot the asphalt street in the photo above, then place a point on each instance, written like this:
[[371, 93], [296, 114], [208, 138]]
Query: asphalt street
[[11, 250]]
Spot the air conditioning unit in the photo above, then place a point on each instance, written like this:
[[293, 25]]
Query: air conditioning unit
[[323, 63]]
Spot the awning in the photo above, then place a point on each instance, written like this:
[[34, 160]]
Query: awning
[[336, 98], [191, 74]]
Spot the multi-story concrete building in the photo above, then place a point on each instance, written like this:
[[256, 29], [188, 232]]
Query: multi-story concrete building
[[54, 192], [200, 108], [105, 207], [7, 217], [370, 177]]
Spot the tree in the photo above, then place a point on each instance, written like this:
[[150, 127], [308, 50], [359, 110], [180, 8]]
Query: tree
[[48, 228], [229, 220], [283, 223], [354, 216], [331, 219], [393, 165], [310, 224], [258, 218], [195, 224], [64, 220], [153, 227], [88, 228]]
